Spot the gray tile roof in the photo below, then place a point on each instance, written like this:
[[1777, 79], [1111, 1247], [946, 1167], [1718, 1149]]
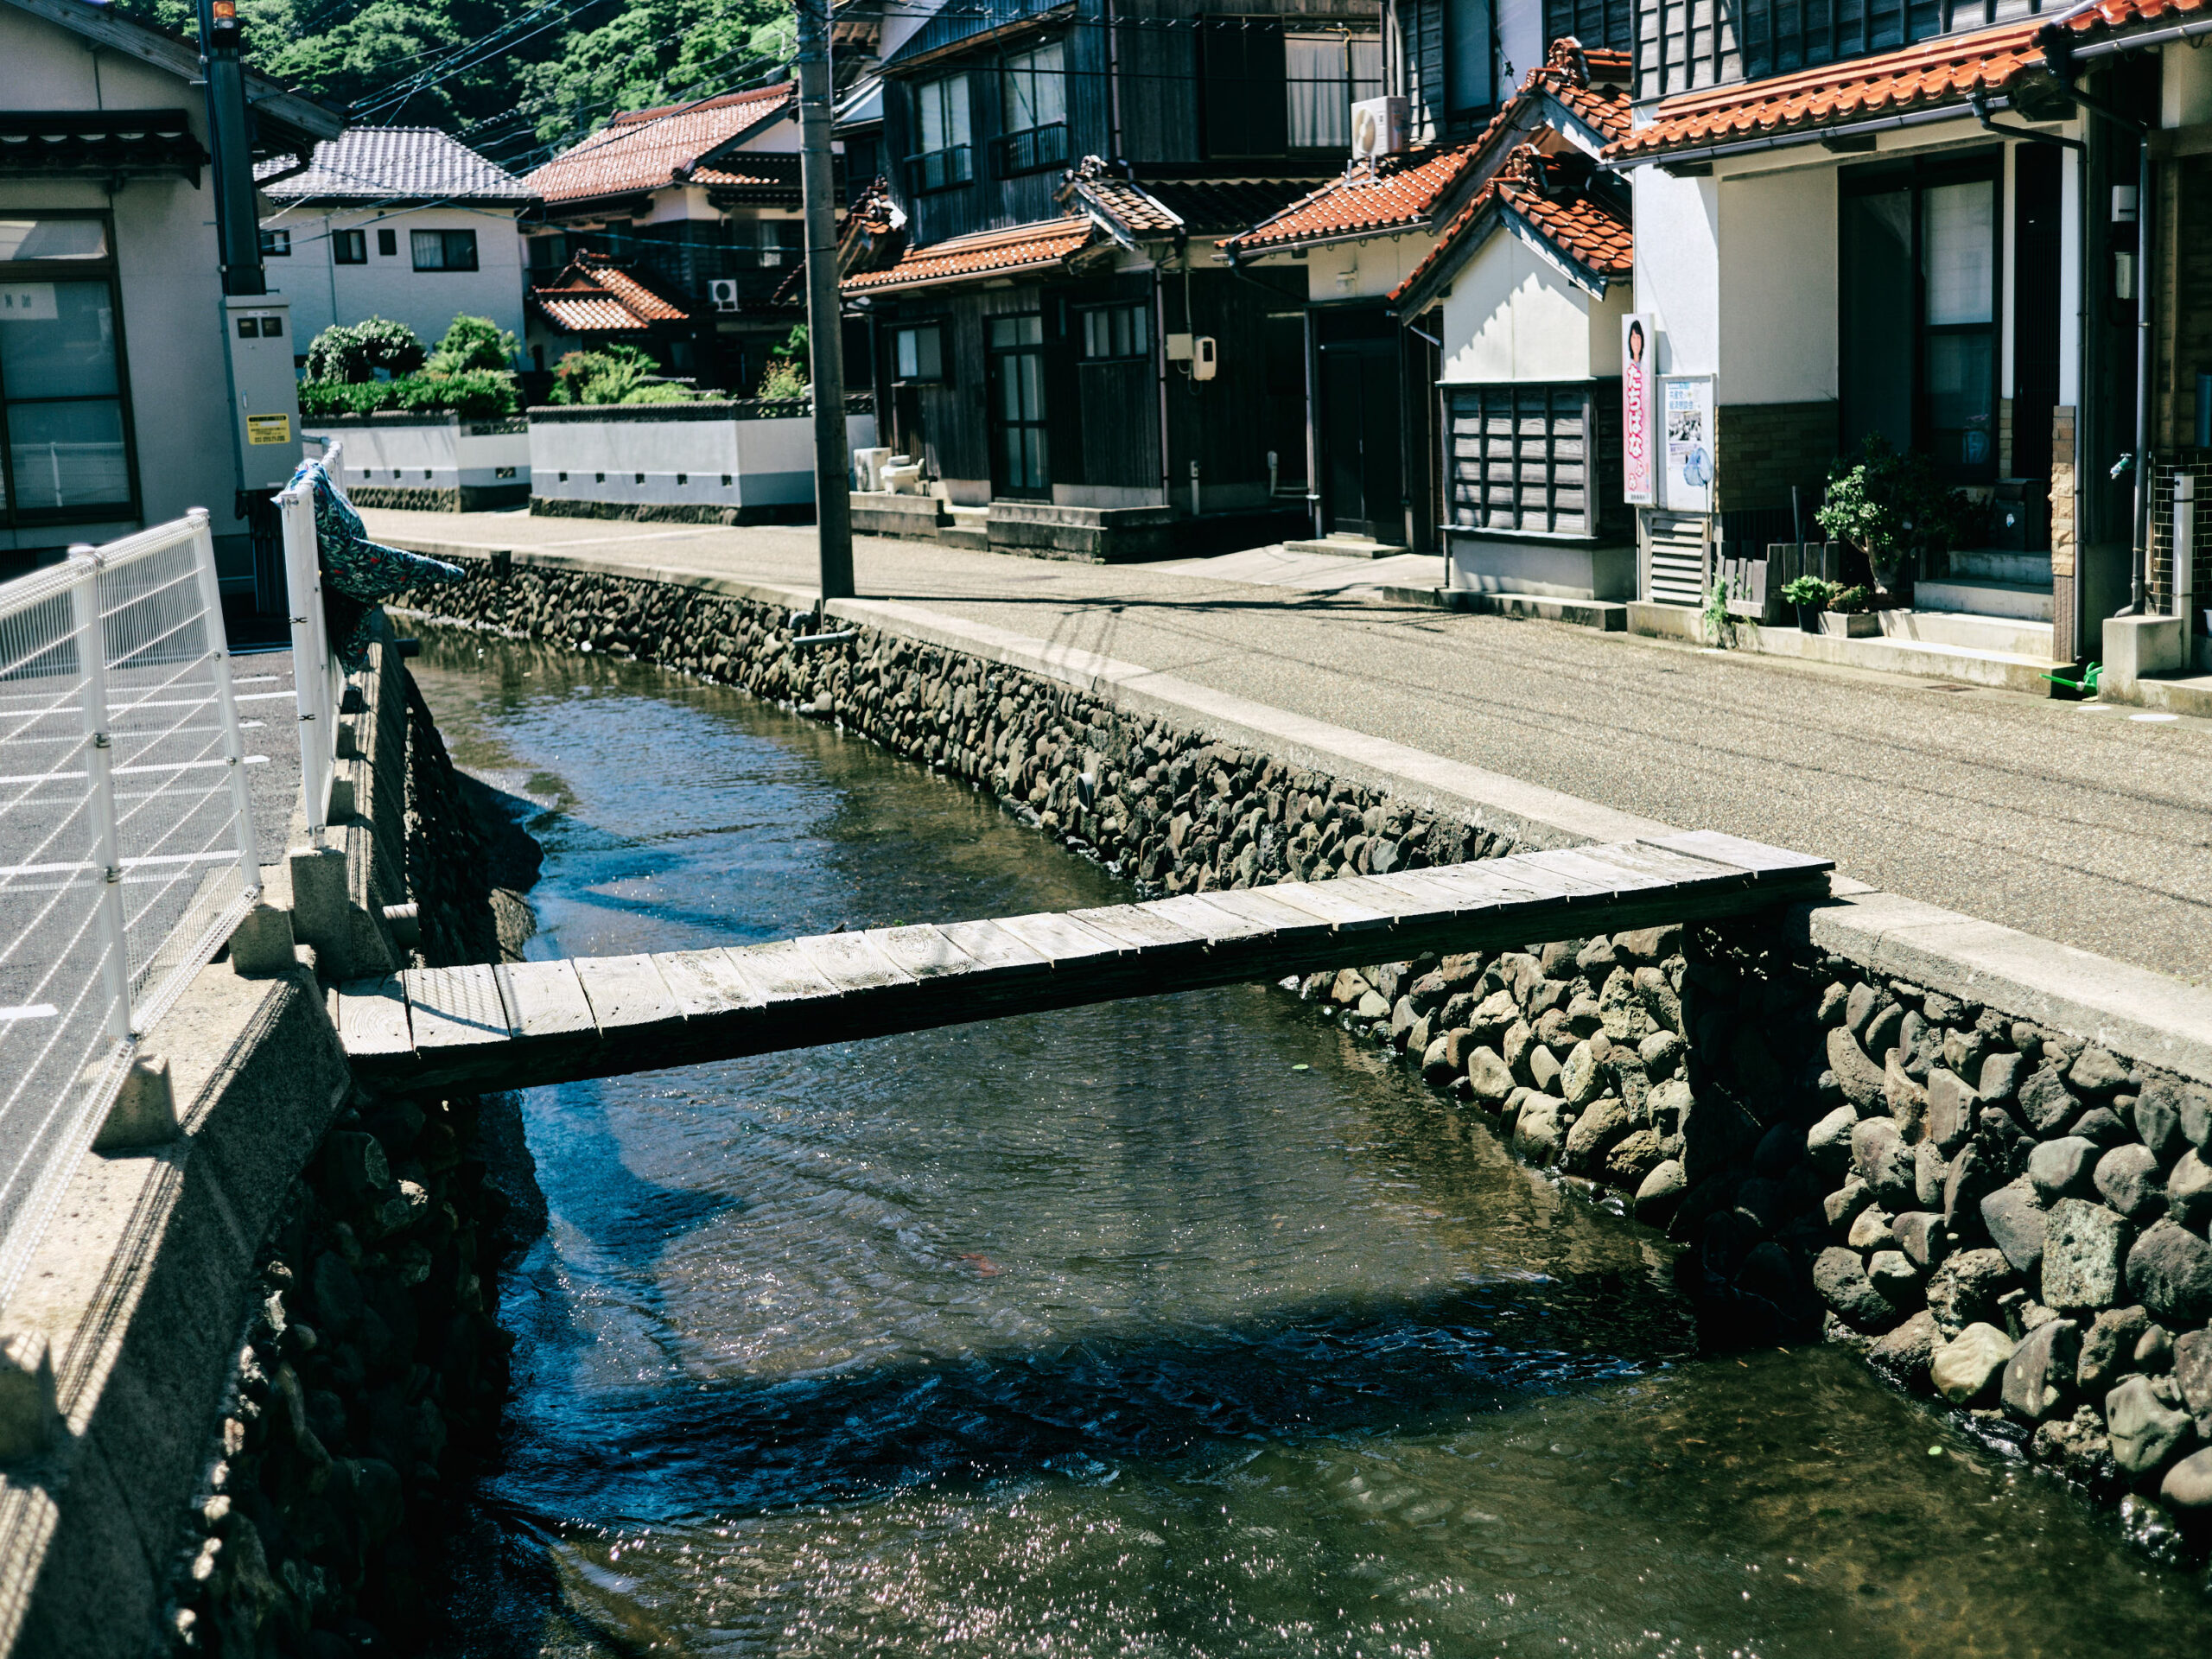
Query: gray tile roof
[[396, 164]]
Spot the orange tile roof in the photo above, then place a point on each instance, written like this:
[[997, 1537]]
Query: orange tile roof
[[595, 297], [2127, 14], [1402, 193], [647, 149], [1407, 192], [986, 253], [1927, 76], [1580, 227], [1591, 232]]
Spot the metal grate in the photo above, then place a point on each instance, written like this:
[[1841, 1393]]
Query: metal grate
[[126, 836], [1677, 543]]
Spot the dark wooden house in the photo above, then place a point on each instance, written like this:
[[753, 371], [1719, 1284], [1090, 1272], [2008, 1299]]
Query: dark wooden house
[[1053, 339]]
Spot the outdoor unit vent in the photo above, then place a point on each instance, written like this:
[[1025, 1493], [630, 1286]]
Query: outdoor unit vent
[[1379, 128], [723, 292]]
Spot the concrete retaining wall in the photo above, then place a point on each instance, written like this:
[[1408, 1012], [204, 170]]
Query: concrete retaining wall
[[1846, 1114], [267, 1336]]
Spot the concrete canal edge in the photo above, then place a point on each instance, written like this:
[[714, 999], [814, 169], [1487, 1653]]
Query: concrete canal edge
[[1983, 1158], [254, 1344]]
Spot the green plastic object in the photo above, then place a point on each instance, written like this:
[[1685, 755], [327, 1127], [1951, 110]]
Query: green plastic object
[[2086, 686]]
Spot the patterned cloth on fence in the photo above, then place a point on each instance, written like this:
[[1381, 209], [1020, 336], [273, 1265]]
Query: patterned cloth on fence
[[356, 571]]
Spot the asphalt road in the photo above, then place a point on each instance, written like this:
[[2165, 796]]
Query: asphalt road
[[2078, 824]]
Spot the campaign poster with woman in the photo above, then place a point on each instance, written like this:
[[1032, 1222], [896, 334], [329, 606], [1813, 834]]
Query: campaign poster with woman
[[1637, 356]]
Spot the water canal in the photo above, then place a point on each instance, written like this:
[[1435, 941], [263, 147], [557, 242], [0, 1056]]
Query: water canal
[[1178, 1327]]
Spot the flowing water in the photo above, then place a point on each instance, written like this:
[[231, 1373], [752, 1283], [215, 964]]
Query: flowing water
[[1184, 1326]]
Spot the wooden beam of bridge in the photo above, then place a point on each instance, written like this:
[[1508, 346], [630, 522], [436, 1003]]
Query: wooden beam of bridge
[[523, 1024]]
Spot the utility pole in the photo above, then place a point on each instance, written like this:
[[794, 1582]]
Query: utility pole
[[238, 225], [833, 507]]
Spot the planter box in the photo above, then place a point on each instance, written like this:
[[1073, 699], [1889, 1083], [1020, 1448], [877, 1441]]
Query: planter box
[[1854, 625], [730, 461], [437, 463]]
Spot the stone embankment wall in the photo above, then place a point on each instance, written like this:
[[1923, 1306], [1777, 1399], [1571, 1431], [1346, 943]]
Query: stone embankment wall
[[370, 1370], [1997, 1211]]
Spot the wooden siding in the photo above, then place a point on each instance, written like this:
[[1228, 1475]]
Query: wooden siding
[[1227, 423], [1543, 459], [1609, 23], [1426, 94], [1680, 47]]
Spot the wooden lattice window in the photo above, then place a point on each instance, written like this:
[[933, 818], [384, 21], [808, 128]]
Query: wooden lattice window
[[1521, 458]]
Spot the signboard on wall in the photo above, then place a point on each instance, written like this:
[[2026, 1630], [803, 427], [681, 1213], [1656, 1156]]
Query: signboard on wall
[[1685, 410], [1639, 361]]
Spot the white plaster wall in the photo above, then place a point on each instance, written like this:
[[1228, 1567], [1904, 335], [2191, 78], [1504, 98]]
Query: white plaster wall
[[427, 454], [1678, 267], [633, 462], [2186, 89], [170, 282], [1512, 314], [1361, 271], [1777, 312], [322, 292]]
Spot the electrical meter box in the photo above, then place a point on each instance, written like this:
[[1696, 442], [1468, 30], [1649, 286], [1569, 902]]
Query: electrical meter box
[[265, 390]]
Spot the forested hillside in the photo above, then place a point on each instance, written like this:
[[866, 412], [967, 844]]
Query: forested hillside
[[515, 78]]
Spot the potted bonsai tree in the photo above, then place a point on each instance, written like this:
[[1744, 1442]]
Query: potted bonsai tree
[[1889, 505]]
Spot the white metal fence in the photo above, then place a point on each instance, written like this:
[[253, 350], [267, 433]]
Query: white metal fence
[[318, 676], [127, 849]]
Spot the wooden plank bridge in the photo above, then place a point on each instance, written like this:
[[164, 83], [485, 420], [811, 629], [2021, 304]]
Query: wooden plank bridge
[[519, 1025]]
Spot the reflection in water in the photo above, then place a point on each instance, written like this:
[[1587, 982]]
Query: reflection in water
[[1109, 1332]]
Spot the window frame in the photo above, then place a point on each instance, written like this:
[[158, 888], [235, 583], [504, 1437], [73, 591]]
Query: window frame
[[345, 238], [1344, 40], [387, 242], [13, 515], [276, 242], [1455, 20], [445, 236], [926, 173], [1041, 145], [937, 326], [1916, 178], [1140, 314]]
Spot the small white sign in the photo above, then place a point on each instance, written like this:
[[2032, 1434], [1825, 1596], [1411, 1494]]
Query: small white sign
[[1686, 408], [28, 303]]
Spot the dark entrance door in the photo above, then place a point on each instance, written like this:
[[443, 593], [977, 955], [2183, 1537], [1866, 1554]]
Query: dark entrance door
[[1359, 438], [1017, 394]]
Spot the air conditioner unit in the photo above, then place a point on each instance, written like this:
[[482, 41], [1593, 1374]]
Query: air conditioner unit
[[723, 292], [1379, 128]]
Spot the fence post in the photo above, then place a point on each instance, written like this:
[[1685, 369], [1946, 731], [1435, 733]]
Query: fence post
[[91, 668], [219, 654], [310, 676]]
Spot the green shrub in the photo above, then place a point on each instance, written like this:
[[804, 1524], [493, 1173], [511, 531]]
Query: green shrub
[[476, 395], [1890, 505], [1809, 590], [1849, 600], [473, 394], [614, 374], [789, 368], [474, 343], [353, 353]]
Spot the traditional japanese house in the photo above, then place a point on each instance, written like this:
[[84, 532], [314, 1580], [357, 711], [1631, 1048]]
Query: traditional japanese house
[[1397, 348], [1053, 340], [678, 230]]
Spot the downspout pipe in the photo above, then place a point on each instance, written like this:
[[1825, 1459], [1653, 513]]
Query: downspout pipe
[[2058, 58]]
